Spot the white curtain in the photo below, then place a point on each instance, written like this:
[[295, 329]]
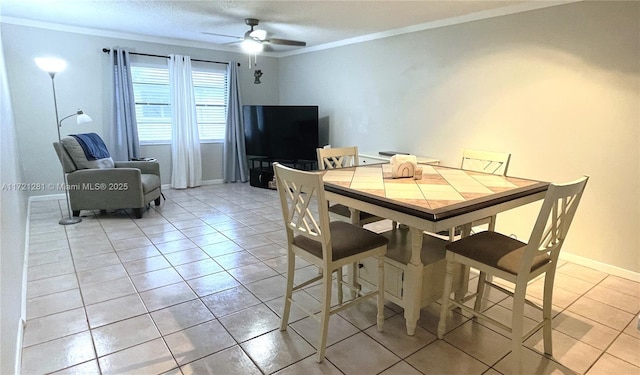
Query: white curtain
[[185, 142], [235, 157]]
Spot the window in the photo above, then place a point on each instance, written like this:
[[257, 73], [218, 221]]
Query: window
[[153, 108], [153, 103]]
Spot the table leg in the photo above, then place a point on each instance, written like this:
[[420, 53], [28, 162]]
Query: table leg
[[413, 283]]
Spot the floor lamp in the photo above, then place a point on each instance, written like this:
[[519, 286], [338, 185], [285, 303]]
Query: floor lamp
[[53, 66]]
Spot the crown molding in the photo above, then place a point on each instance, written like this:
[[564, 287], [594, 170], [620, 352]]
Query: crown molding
[[511, 9]]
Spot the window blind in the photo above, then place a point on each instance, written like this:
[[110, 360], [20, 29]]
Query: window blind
[[153, 103]]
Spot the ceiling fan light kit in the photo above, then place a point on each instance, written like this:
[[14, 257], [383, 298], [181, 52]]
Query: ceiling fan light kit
[[251, 46]]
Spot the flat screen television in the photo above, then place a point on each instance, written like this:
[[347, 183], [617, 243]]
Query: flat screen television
[[281, 132]]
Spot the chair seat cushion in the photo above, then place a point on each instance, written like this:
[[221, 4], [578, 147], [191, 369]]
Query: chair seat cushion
[[496, 250], [346, 240], [342, 210], [149, 182]]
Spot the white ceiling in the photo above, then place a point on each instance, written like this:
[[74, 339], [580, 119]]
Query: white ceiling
[[319, 23]]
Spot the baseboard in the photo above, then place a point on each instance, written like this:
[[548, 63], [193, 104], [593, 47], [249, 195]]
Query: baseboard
[[203, 183], [599, 266], [22, 323], [48, 197], [213, 182], [19, 340]]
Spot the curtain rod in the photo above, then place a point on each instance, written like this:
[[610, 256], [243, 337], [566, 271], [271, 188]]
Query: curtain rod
[[107, 50]]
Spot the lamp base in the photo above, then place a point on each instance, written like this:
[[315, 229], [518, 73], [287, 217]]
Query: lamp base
[[70, 220]]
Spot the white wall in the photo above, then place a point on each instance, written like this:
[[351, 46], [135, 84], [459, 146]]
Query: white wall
[[13, 214], [86, 84], [558, 87]]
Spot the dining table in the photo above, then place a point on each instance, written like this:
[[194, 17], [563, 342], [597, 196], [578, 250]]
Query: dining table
[[439, 199]]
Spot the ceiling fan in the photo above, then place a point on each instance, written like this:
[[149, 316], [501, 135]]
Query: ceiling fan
[[254, 41]]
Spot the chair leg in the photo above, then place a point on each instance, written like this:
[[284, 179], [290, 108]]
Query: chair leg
[[76, 213], [380, 297], [491, 228], [480, 291], [325, 313], [339, 285], [353, 276], [446, 293], [517, 329], [157, 201], [138, 211], [546, 312], [355, 216], [291, 260], [353, 279], [492, 223]]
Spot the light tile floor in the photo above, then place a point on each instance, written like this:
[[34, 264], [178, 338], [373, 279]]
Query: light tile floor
[[196, 285]]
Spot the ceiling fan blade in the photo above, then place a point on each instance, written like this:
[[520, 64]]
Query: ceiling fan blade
[[223, 35], [285, 42]]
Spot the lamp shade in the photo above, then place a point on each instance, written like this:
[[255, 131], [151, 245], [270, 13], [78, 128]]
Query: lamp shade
[[51, 64], [83, 118]]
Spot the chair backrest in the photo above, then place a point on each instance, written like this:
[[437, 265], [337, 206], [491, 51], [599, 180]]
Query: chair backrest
[[485, 161], [65, 159], [555, 217], [304, 206], [91, 154], [339, 157]]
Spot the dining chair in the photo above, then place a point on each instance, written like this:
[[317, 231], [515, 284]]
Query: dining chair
[[329, 245], [486, 162], [517, 263], [340, 157], [489, 162]]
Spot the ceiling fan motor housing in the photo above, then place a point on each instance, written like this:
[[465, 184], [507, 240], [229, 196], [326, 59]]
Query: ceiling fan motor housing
[[251, 22]]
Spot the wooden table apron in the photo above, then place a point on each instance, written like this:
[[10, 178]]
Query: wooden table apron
[[420, 219]]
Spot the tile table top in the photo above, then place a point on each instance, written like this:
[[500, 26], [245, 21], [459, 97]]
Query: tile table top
[[441, 192]]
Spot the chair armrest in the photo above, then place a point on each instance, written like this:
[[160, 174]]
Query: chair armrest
[[145, 167]]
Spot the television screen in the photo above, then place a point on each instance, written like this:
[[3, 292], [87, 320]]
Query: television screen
[[281, 132]]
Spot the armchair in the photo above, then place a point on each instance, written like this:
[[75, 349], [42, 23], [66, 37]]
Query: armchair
[[107, 185]]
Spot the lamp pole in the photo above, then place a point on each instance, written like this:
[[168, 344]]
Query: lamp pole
[[70, 219], [55, 103]]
